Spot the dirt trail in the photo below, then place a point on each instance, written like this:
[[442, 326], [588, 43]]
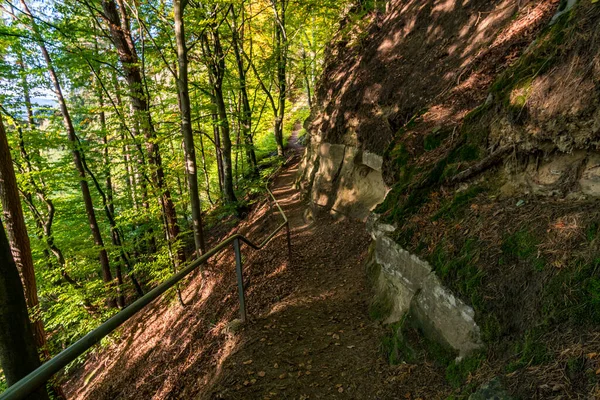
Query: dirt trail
[[314, 339], [308, 336]]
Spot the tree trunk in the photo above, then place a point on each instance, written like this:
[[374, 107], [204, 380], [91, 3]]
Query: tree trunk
[[204, 166], [217, 136], [218, 72], [109, 202], [42, 222], [206, 176], [281, 56], [307, 80], [246, 115], [228, 193], [129, 173], [186, 126], [121, 37], [18, 353], [18, 237]]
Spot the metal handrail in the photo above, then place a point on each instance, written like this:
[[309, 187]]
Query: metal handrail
[[41, 375]]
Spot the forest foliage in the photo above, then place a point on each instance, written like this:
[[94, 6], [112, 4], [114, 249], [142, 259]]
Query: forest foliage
[[93, 94]]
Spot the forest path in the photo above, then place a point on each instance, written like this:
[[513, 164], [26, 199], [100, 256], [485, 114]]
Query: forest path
[[308, 335], [312, 338]]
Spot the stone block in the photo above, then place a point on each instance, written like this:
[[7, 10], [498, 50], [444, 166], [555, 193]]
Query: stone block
[[449, 317]]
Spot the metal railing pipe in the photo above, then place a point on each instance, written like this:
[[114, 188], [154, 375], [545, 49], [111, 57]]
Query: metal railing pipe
[[41, 375]]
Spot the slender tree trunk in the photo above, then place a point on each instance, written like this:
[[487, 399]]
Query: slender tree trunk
[[218, 67], [206, 176], [18, 353], [215, 57], [246, 115], [77, 159], [119, 29], [307, 79], [42, 222], [217, 136], [129, 173], [281, 56], [228, 193], [186, 125], [109, 202]]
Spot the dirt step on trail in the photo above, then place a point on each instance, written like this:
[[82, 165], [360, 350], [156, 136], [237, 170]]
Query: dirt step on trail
[[308, 335], [315, 340]]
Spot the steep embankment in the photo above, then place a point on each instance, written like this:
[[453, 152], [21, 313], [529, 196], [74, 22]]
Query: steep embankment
[[475, 124], [308, 336]]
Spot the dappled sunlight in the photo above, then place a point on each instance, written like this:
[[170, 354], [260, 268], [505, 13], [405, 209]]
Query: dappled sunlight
[[296, 300], [400, 63], [444, 6], [280, 270], [170, 351]]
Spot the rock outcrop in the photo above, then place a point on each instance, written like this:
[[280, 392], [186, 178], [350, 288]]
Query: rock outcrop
[[408, 285], [341, 179]]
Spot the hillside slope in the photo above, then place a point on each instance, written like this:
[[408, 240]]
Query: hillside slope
[[476, 126]]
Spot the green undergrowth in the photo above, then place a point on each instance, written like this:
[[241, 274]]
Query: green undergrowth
[[296, 116], [405, 342], [249, 188], [529, 351], [481, 272], [522, 246], [513, 87], [457, 205], [435, 139], [460, 270], [573, 294]]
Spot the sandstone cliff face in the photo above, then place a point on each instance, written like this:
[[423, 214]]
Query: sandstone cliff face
[[473, 128], [342, 179], [432, 60]]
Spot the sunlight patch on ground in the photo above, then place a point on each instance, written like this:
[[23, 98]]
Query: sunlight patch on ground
[[299, 301], [281, 269]]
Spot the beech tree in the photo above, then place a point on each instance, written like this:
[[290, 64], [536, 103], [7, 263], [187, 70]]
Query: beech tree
[[19, 338], [185, 108], [17, 234]]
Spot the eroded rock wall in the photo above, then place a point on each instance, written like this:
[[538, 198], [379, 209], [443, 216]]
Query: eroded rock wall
[[342, 179]]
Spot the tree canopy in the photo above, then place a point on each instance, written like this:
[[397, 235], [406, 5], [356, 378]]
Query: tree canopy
[[134, 125]]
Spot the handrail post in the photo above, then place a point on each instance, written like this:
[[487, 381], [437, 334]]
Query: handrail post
[[240, 278]]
